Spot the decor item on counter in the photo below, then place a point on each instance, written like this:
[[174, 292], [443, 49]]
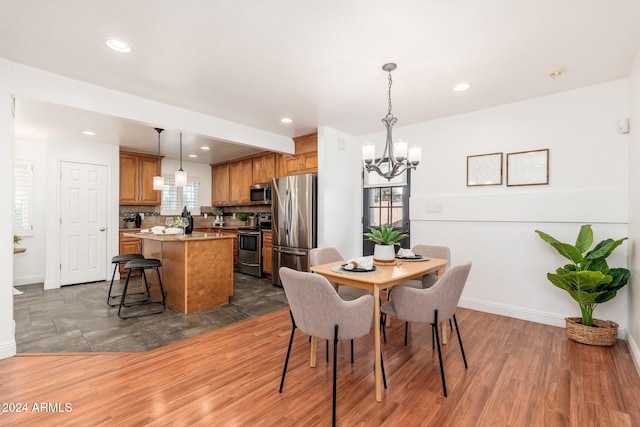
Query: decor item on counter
[[158, 181], [528, 168], [484, 169], [397, 158], [181, 175], [242, 216], [589, 281], [138, 220], [187, 221], [385, 239], [16, 240], [129, 222]]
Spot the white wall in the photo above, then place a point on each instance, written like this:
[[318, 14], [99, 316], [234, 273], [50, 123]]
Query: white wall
[[494, 226], [339, 192], [634, 212], [29, 266], [7, 326]]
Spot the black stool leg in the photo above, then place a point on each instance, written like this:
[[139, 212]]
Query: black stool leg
[[124, 294], [460, 341], [162, 294], [113, 277]]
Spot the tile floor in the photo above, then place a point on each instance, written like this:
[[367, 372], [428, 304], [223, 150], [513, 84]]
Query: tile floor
[[77, 318]]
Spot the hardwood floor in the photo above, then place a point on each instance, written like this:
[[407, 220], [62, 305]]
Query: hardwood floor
[[520, 374]]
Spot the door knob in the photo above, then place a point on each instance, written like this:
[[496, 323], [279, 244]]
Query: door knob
[[102, 228]]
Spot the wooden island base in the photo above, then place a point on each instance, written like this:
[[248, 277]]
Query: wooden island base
[[197, 270]]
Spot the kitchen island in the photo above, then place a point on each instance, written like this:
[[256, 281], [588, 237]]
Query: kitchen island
[[197, 269]]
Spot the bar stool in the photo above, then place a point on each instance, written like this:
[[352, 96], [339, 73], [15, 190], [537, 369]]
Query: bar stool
[[142, 265], [117, 260]]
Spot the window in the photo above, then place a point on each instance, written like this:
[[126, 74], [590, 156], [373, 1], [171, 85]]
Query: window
[[23, 198], [174, 199]]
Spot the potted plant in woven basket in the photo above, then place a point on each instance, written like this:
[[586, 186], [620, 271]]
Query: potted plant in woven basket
[[589, 281], [385, 239]]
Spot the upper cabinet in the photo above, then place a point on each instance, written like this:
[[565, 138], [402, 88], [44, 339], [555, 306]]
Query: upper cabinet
[[264, 168], [304, 161], [220, 184], [136, 179], [240, 179]]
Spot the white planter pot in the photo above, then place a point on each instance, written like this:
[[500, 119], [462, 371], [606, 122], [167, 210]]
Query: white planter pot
[[384, 252]]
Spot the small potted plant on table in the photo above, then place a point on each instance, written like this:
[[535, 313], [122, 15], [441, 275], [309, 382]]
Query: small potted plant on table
[[589, 281], [385, 239]]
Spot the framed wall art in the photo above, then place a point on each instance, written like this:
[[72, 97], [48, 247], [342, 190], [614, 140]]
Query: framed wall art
[[528, 168], [484, 169]]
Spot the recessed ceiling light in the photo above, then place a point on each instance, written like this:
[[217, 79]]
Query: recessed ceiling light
[[205, 148], [461, 87], [89, 132], [118, 45], [286, 120], [193, 155]]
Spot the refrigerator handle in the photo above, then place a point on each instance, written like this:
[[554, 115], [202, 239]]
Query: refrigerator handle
[[289, 252]]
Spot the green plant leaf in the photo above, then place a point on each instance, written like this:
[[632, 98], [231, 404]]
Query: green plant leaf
[[604, 248], [568, 251], [585, 238]]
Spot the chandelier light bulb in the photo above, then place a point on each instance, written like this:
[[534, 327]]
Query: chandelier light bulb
[[181, 178], [368, 153], [400, 149], [415, 154]]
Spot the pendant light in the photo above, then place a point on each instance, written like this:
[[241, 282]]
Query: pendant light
[[181, 175], [158, 181], [398, 157]]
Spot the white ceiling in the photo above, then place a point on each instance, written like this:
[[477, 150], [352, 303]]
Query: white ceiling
[[254, 61]]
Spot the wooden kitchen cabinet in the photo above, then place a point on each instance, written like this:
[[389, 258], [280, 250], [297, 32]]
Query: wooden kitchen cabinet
[[136, 179], [305, 160], [220, 185], [267, 252], [128, 245], [240, 179], [226, 231], [264, 168]]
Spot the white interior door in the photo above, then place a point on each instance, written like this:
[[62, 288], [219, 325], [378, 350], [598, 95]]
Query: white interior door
[[83, 219]]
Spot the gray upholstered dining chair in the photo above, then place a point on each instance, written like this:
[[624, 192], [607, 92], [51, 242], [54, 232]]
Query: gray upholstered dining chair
[[427, 251], [318, 256], [432, 305], [317, 309]]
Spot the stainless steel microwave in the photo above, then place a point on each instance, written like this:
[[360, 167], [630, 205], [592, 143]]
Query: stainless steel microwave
[[260, 194]]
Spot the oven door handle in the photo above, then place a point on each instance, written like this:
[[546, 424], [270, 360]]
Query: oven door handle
[[289, 252], [249, 233]]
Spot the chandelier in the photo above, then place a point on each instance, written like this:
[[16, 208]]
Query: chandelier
[[397, 157]]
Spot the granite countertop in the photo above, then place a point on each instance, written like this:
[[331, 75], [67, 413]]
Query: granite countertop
[[179, 237]]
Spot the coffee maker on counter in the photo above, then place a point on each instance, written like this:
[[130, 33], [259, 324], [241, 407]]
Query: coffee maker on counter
[[188, 229]]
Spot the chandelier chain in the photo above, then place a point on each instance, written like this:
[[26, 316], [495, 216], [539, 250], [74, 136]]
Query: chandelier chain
[[390, 83]]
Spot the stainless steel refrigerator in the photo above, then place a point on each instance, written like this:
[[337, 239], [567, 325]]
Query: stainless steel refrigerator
[[293, 209]]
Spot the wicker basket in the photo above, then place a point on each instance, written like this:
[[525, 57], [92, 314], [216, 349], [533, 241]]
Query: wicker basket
[[602, 333], [384, 262]]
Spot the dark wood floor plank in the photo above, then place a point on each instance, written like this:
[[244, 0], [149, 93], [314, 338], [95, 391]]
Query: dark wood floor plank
[[519, 373]]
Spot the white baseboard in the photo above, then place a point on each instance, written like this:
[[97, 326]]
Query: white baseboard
[[27, 280], [8, 349], [522, 313], [634, 350]]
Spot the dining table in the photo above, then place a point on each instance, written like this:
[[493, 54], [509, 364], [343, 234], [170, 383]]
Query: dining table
[[379, 278]]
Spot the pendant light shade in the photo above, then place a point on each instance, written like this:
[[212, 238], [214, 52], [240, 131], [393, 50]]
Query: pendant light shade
[[181, 175], [158, 180]]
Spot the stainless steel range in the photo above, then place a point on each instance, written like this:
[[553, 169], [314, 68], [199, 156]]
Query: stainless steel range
[[250, 246]]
